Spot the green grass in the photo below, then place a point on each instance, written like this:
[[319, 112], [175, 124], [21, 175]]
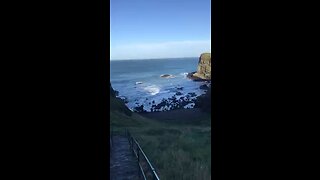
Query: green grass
[[177, 150]]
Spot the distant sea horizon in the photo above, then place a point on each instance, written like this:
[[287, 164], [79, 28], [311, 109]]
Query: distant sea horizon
[[152, 58]]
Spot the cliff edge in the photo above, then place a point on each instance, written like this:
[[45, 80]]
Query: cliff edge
[[116, 104]]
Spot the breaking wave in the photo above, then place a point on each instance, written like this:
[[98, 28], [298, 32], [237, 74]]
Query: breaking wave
[[184, 74], [153, 89]]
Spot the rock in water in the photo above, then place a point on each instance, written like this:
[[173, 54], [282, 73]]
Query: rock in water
[[204, 68], [167, 76], [204, 87]]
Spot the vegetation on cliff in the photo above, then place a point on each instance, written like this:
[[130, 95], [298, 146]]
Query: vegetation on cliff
[[117, 104]]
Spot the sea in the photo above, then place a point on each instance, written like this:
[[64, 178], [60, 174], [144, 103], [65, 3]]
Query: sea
[[140, 81]]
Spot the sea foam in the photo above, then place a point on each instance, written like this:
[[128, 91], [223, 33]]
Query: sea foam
[[184, 74], [153, 89]]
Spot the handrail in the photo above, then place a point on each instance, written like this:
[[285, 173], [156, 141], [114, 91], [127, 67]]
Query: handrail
[[133, 141], [111, 141]]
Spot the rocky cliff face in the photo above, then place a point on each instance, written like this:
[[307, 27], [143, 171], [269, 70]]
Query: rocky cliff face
[[204, 68]]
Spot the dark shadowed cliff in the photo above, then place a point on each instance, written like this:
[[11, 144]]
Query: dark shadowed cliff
[[204, 101], [116, 104]]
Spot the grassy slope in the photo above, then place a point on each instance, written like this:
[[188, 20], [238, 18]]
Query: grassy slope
[[178, 150]]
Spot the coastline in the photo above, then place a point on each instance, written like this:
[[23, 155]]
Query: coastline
[[196, 78], [168, 87], [177, 115]]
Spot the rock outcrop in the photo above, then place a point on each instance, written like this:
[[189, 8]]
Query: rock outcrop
[[204, 68], [204, 101]]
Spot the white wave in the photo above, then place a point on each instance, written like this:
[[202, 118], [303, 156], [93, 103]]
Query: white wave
[[163, 92], [138, 82], [153, 89], [184, 74]]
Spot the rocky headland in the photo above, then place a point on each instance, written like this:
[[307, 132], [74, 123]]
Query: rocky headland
[[203, 72]]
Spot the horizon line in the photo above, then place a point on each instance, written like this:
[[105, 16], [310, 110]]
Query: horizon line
[[152, 58]]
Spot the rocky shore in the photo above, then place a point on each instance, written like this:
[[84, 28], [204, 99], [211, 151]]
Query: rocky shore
[[177, 101], [171, 103], [193, 76]]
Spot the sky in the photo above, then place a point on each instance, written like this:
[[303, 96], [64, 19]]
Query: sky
[[147, 29]]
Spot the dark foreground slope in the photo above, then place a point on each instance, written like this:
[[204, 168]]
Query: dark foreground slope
[[179, 148]]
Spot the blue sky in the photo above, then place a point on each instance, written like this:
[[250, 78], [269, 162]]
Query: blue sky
[[143, 29]]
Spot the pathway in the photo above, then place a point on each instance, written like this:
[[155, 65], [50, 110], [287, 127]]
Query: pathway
[[123, 164]]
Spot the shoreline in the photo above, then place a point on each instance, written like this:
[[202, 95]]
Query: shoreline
[[177, 115], [177, 101], [196, 78]]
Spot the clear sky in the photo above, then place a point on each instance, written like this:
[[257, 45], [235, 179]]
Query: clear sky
[[143, 29]]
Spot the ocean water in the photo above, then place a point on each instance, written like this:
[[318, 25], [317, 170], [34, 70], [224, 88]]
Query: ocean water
[[141, 83]]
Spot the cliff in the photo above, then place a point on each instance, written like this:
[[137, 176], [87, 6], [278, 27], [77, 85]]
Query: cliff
[[116, 104], [204, 68]]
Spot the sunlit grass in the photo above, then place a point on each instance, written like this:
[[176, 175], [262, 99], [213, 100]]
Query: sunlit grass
[[177, 150]]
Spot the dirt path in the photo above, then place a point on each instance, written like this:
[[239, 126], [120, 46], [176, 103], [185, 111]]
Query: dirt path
[[123, 164]]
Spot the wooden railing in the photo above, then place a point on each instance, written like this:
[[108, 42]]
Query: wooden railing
[[146, 168]]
